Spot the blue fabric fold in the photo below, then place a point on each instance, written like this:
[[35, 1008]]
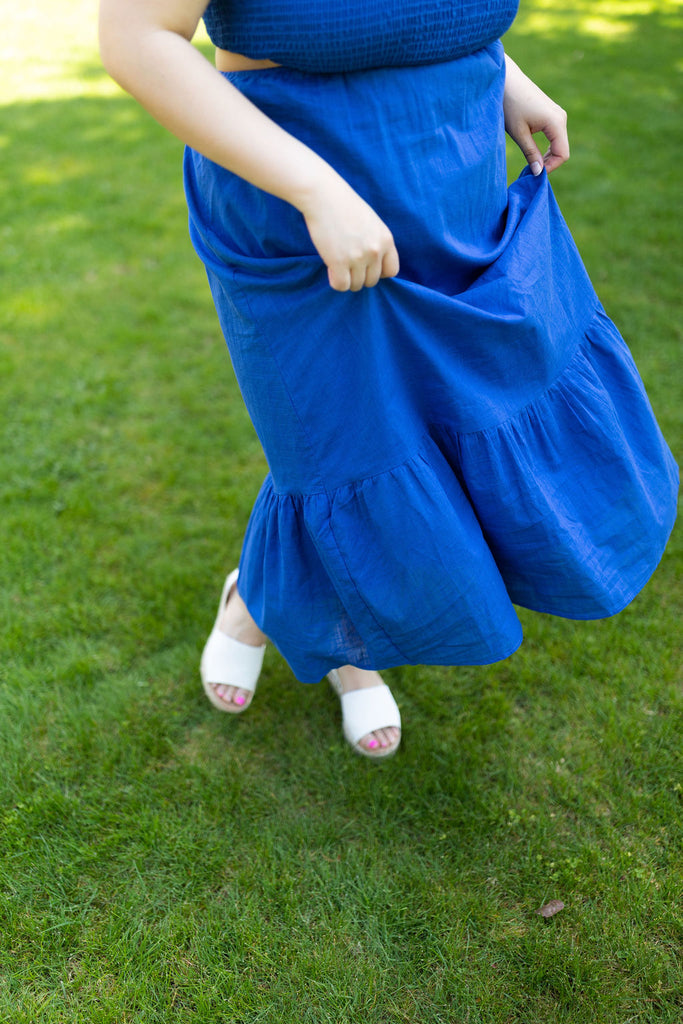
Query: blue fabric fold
[[466, 436]]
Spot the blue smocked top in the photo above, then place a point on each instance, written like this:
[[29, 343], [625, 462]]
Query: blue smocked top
[[350, 35]]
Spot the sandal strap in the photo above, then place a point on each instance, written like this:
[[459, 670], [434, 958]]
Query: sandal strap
[[229, 662], [365, 710]]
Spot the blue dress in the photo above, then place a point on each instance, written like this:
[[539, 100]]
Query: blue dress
[[467, 436]]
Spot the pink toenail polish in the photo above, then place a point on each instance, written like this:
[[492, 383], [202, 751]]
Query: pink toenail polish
[[372, 744], [240, 699]]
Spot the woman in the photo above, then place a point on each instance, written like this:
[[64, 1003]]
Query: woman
[[450, 420]]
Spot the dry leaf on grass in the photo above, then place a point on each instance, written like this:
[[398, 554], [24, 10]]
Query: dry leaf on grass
[[552, 908]]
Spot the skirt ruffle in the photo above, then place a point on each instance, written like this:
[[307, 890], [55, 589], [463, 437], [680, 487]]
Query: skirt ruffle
[[468, 435], [421, 564]]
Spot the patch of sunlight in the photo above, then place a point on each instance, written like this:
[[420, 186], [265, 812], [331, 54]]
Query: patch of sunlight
[[603, 27], [32, 307], [49, 50], [55, 172], [71, 223], [607, 19]]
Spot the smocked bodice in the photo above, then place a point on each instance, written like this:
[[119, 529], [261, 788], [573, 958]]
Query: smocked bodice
[[336, 35]]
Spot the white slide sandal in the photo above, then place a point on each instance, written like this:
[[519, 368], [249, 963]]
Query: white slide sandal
[[364, 711], [229, 662]]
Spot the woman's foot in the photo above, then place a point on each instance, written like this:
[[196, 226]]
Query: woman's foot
[[233, 654], [236, 622], [379, 742]]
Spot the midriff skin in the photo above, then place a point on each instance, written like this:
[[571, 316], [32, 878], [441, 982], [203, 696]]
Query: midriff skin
[[227, 61]]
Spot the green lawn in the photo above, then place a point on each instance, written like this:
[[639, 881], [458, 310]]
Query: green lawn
[[162, 863]]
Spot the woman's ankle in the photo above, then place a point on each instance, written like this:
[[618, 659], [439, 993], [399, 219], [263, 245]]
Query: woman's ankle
[[353, 678], [237, 623]]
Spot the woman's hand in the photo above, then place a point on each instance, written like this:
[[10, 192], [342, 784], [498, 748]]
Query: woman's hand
[[354, 243], [145, 46], [527, 110]]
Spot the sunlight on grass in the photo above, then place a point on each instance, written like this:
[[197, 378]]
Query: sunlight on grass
[[51, 52], [159, 864], [48, 52], [606, 19]]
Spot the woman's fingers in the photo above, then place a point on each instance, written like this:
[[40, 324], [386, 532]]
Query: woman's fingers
[[390, 263], [372, 274], [364, 272], [555, 131], [358, 274], [529, 110], [339, 278], [558, 152], [556, 134], [532, 153], [353, 242]]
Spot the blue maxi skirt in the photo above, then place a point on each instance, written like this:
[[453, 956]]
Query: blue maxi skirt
[[469, 435]]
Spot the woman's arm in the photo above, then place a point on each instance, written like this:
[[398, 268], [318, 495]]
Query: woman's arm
[[145, 46], [528, 110]]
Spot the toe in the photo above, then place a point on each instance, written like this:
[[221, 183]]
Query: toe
[[232, 697], [381, 739], [224, 693], [386, 737], [370, 742]]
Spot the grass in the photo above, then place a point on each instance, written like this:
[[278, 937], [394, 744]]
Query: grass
[[159, 863]]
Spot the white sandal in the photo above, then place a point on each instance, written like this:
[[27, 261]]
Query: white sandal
[[365, 710], [229, 662]]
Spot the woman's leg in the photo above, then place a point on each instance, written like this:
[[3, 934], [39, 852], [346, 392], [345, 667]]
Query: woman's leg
[[353, 678], [237, 623]]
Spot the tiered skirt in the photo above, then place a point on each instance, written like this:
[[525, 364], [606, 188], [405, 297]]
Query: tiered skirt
[[467, 436]]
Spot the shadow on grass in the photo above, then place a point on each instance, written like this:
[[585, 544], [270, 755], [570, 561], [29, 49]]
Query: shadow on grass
[[252, 869]]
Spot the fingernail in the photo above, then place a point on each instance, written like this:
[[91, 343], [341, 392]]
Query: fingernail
[[536, 168], [372, 744], [240, 699]]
